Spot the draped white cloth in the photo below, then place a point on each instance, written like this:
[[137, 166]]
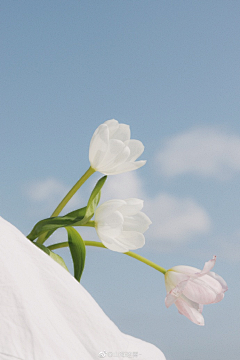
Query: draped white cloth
[[45, 314]]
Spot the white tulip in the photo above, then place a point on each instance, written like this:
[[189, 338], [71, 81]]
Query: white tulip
[[112, 152], [120, 224], [47, 315]]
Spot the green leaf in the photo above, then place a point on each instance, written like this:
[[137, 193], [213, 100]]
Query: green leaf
[[75, 218], [77, 213], [58, 259], [53, 223], [93, 200], [78, 251], [54, 256]]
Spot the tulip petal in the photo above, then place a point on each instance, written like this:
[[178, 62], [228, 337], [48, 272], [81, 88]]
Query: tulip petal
[[198, 307], [189, 311], [110, 226], [139, 222], [136, 149], [173, 278], [127, 166], [108, 207], [175, 293], [131, 239], [112, 126], [219, 297], [98, 145], [210, 282], [187, 270], [117, 153], [120, 158], [132, 207], [219, 279], [114, 244], [122, 133], [202, 290], [207, 266], [170, 299]]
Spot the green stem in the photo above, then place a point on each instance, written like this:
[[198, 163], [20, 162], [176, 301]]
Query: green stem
[[73, 190], [129, 253], [58, 245], [66, 199], [90, 223], [146, 261]]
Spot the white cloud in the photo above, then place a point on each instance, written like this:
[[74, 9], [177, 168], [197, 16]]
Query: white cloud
[[45, 195], [123, 186], [206, 152], [175, 220], [42, 190]]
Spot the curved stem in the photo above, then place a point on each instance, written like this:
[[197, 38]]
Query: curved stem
[[66, 199], [58, 245], [129, 253], [146, 261], [73, 190]]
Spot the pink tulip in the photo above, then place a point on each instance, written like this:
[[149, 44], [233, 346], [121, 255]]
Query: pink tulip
[[190, 288]]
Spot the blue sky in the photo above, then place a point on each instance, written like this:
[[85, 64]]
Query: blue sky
[[169, 69]]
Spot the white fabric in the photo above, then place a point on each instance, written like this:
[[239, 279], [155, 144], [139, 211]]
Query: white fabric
[[45, 314]]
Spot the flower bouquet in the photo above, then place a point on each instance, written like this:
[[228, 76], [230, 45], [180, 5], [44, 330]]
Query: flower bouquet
[[45, 311]]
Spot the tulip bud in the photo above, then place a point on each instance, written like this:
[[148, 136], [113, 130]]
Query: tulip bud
[[112, 152], [120, 224]]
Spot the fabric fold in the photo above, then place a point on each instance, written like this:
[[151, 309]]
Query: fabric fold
[[47, 315]]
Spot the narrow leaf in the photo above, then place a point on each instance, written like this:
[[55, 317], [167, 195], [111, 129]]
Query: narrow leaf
[[79, 213], [53, 223], [93, 200], [78, 251], [54, 256], [58, 259], [76, 217]]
